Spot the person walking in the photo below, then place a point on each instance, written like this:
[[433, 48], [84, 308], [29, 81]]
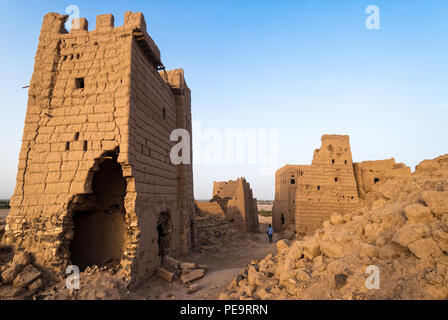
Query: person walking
[[270, 233]]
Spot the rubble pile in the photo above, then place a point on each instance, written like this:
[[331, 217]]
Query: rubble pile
[[19, 278], [213, 232], [186, 272], [394, 247]]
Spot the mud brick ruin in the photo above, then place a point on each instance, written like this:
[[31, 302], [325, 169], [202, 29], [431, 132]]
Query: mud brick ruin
[[95, 182], [234, 200], [307, 195]]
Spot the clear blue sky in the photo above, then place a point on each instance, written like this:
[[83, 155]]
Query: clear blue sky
[[303, 67]]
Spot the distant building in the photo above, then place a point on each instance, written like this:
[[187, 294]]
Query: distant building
[[234, 200], [306, 195]]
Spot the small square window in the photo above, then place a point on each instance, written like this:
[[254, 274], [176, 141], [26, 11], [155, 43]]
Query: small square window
[[293, 181], [79, 83]]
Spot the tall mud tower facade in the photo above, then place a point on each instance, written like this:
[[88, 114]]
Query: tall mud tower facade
[[327, 186], [95, 182], [307, 195]]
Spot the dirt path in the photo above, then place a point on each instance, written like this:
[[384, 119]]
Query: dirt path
[[223, 265]]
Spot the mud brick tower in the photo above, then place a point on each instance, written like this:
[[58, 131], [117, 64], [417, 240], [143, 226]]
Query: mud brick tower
[[306, 195], [95, 182]]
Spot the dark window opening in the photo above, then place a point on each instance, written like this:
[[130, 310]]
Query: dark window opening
[[376, 180], [79, 83], [85, 146], [345, 161], [336, 179], [293, 181], [67, 146], [77, 56], [333, 161], [164, 231], [76, 136], [99, 224], [318, 187], [282, 218], [164, 113]]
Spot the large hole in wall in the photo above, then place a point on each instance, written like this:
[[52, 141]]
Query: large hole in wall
[[100, 229], [164, 231]]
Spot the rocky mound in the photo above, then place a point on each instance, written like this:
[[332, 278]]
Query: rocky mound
[[19, 278], [212, 232], [401, 233]]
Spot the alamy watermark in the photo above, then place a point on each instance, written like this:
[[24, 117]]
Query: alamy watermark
[[373, 20], [257, 147], [373, 280], [73, 280], [74, 14]]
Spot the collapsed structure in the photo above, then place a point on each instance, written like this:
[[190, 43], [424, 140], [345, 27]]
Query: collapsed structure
[[95, 182], [307, 195], [233, 200]]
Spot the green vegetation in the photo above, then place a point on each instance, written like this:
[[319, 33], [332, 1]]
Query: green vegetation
[[4, 204], [265, 213]]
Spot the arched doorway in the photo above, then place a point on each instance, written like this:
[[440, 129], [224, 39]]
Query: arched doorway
[[100, 230]]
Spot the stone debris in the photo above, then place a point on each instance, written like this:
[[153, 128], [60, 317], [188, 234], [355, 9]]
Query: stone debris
[[193, 288], [192, 276], [165, 274], [214, 232], [403, 234], [20, 279], [27, 276]]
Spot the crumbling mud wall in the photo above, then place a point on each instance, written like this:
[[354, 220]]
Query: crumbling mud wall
[[370, 173], [95, 182], [327, 186], [235, 198]]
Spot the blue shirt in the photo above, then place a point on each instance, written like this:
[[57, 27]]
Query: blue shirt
[[270, 230]]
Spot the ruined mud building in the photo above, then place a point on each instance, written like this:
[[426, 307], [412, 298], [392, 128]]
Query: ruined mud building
[[95, 183], [306, 195], [234, 200]]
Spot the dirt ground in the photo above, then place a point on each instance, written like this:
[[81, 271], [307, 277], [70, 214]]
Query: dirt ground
[[223, 264]]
